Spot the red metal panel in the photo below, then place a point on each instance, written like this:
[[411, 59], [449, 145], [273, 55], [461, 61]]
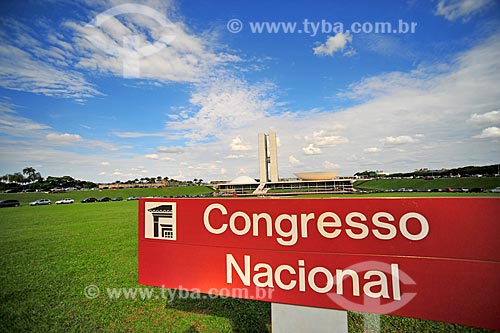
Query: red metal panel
[[439, 261]]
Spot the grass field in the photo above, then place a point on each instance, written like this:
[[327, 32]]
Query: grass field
[[428, 184], [49, 255]]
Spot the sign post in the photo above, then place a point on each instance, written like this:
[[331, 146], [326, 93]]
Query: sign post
[[288, 318], [430, 258]]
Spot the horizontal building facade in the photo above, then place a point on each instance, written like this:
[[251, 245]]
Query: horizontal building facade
[[287, 187]]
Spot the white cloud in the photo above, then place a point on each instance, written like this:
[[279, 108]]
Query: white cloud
[[389, 83], [233, 156], [105, 163], [14, 125], [64, 139], [334, 44], [135, 135], [311, 149], [102, 145], [152, 156], [165, 52], [294, 161], [170, 149], [228, 104], [485, 119], [11, 123], [59, 64], [157, 157], [26, 66], [325, 138], [238, 145], [330, 165], [464, 9], [398, 140], [372, 150], [489, 133]]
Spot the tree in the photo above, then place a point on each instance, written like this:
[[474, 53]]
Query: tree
[[17, 178], [370, 174], [32, 175], [29, 171]]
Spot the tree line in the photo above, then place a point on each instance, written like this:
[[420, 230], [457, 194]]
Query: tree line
[[159, 179], [467, 171], [31, 180]]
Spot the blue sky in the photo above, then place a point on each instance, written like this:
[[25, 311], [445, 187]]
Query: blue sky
[[111, 90]]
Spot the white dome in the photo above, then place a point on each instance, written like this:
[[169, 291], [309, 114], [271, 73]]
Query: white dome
[[243, 180]]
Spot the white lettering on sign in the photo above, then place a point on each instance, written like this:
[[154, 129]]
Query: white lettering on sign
[[290, 227], [373, 283]]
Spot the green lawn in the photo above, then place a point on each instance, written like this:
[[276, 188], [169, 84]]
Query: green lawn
[[50, 254], [424, 184]]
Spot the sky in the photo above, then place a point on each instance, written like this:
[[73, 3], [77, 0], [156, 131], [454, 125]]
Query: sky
[[107, 90]]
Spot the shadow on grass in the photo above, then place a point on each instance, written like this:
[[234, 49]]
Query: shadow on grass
[[245, 315]]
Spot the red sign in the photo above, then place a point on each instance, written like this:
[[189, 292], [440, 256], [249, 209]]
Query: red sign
[[430, 258]]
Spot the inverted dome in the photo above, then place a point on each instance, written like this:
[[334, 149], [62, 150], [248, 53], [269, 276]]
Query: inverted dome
[[243, 180]]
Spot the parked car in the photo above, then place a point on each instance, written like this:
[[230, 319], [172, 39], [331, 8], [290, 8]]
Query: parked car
[[40, 202], [133, 198], [105, 199], [65, 201], [9, 203], [86, 200], [117, 199]]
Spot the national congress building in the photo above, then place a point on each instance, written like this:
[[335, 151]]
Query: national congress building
[[269, 182]]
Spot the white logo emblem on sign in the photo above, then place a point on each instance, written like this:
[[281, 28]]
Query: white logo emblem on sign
[[160, 220]]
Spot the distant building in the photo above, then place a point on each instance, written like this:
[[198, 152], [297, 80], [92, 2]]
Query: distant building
[[270, 184], [268, 157], [341, 185], [115, 186]]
